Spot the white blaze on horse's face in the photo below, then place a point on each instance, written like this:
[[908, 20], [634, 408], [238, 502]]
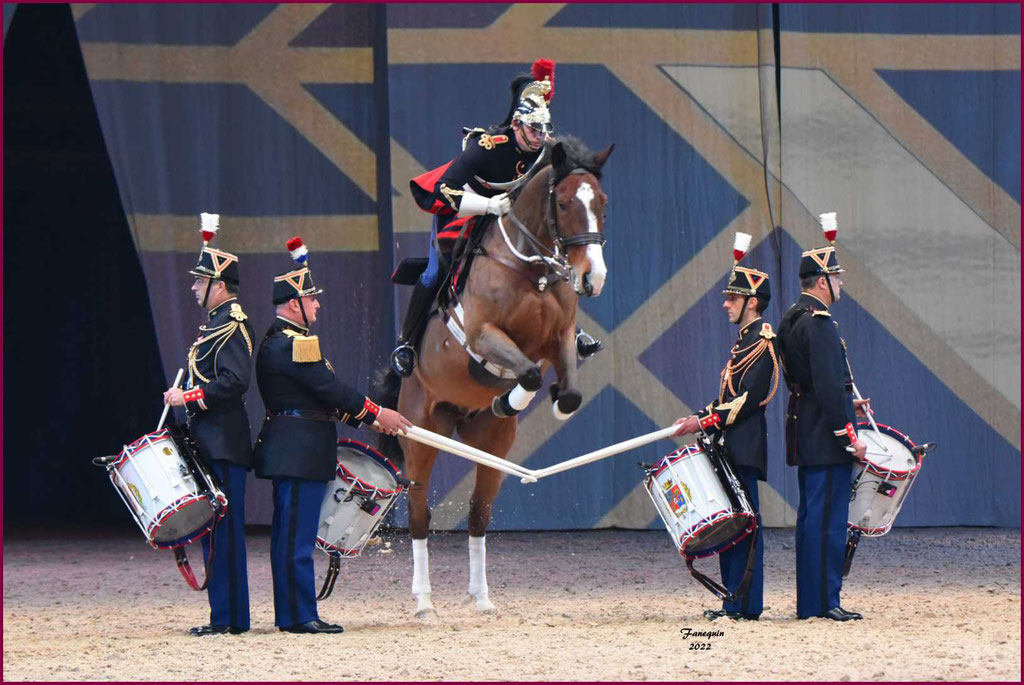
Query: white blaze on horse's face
[[595, 254]]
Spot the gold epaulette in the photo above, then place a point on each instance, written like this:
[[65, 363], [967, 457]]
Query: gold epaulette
[[305, 348], [487, 141], [236, 312], [766, 331], [820, 312]]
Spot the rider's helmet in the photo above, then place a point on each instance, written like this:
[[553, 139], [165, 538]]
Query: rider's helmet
[[530, 97]]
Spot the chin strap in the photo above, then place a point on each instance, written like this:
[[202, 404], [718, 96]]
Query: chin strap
[[305, 321], [831, 292], [206, 295]]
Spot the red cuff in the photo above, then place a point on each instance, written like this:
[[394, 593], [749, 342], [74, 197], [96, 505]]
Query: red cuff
[[709, 420], [369, 413], [847, 432], [195, 395]]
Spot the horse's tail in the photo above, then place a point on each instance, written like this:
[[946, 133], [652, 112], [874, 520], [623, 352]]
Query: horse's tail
[[385, 387]]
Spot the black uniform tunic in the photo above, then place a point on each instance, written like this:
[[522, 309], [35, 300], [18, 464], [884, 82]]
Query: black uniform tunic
[[748, 382], [492, 156], [303, 400], [820, 420], [219, 371]]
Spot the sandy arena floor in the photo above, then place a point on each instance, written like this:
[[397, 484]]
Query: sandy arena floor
[[940, 604]]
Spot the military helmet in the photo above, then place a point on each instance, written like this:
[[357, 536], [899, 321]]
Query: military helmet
[[298, 282], [744, 280], [822, 261], [214, 263], [531, 96]]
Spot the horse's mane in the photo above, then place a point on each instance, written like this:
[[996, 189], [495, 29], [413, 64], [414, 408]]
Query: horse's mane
[[577, 156]]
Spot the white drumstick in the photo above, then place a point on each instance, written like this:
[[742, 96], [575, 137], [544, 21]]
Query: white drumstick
[[871, 418], [609, 451], [466, 452], [167, 407]]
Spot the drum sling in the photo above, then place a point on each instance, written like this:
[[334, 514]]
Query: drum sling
[[717, 459]]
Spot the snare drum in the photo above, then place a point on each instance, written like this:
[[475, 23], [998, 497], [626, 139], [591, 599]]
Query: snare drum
[[366, 485], [693, 498], [169, 494], [881, 482]]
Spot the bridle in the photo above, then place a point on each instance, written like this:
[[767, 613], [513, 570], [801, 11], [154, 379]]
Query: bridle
[[555, 259], [588, 238]]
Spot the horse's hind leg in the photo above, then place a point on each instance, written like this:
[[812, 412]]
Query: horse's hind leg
[[494, 435], [419, 460]]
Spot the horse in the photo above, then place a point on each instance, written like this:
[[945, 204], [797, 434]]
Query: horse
[[517, 316]]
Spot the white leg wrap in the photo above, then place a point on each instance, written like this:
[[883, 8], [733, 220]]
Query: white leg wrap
[[519, 399], [558, 414], [478, 573], [477, 565], [420, 568], [421, 579]]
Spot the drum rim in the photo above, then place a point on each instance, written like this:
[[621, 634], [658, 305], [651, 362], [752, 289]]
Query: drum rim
[[135, 447], [690, 450], [341, 472], [329, 548], [732, 543], [894, 433], [179, 504]]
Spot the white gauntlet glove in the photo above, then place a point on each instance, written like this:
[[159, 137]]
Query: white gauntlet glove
[[473, 204]]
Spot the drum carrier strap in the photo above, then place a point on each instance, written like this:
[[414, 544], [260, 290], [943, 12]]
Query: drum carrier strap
[[332, 575], [717, 459], [190, 451]]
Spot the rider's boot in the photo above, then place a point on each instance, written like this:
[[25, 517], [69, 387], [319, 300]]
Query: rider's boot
[[403, 359], [586, 345]]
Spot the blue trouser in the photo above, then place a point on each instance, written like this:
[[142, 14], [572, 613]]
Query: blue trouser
[[228, 589], [821, 537], [733, 561], [428, 278], [292, 537]]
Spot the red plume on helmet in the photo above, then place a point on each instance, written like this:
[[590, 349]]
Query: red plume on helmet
[[544, 69]]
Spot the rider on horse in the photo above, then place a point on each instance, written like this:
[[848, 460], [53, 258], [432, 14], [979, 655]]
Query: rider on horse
[[464, 189]]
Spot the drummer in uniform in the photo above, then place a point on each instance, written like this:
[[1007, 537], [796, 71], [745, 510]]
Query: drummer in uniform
[[749, 381], [460, 192], [297, 445], [821, 439], [219, 371]]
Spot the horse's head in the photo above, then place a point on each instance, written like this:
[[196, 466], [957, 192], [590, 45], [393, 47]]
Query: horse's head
[[576, 212]]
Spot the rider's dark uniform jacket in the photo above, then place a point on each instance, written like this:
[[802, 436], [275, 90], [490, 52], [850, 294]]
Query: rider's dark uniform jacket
[[493, 156], [749, 381], [219, 371], [820, 420], [303, 400]]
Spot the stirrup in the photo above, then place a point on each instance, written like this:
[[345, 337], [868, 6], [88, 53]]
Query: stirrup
[[403, 360], [586, 345]]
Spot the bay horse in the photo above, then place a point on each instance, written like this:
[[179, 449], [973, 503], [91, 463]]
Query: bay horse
[[517, 316]]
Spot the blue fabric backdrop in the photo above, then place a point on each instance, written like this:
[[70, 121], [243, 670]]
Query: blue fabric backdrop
[[299, 119]]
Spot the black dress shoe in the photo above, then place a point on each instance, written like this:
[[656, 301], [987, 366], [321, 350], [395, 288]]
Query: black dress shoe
[[200, 631], [841, 614], [314, 626], [403, 359]]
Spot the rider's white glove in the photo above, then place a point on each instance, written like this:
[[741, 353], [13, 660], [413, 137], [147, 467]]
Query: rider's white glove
[[473, 204]]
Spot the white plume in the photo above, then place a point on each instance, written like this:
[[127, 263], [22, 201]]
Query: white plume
[[742, 242], [210, 222], [828, 221]]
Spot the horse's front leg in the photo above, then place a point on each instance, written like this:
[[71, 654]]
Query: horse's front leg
[[419, 460], [496, 436], [493, 344], [565, 396]]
